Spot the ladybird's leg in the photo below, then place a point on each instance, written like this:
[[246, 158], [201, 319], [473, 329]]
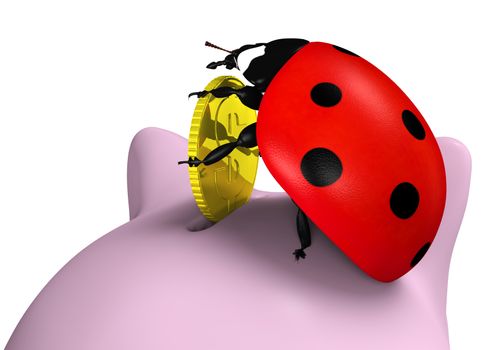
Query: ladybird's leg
[[250, 96], [304, 232], [246, 138], [231, 60]]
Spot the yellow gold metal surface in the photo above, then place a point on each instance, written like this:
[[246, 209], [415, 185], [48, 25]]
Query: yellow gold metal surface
[[226, 185]]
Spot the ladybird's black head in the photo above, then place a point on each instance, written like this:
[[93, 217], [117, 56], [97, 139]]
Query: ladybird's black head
[[263, 68]]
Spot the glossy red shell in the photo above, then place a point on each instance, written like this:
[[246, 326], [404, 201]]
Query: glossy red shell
[[377, 152]]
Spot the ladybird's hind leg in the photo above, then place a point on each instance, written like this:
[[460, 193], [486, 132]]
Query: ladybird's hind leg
[[246, 138], [250, 96], [304, 232]]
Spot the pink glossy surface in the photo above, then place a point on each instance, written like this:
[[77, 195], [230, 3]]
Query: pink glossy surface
[[153, 284]]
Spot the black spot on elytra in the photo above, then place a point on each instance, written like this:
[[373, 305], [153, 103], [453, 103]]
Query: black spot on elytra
[[348, 52], [420, 254], [413, 125], [404, 200], [321, 167], [326, 94]]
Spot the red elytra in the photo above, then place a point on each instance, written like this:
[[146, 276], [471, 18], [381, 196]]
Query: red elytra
[[355, 154]]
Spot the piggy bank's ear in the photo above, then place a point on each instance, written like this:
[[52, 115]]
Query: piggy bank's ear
[[153, 173], [433, 268]]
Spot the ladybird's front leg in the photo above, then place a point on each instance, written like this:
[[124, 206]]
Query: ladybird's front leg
[[246, 138], [250, 96], [231, 60], [304, 232]]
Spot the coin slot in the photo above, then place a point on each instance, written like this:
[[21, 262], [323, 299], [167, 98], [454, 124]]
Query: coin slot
[[199, 223]]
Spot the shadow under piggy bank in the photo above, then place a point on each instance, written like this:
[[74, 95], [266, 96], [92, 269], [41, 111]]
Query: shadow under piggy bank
[[153, 283]]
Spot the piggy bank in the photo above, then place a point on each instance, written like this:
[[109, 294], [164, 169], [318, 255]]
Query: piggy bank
[[168, 279]]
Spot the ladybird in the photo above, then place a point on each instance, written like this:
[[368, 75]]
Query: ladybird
[[348, 146]]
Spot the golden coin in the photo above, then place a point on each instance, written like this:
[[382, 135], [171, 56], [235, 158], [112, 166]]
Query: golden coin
[[226, 185]]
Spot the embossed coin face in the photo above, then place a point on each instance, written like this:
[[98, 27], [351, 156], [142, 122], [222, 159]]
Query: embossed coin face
[[226, 185]]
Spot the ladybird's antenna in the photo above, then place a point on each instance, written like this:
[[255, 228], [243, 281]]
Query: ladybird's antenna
[[216, 47]]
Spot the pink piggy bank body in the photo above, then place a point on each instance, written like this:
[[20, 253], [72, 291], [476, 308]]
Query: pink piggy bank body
[[154, 284]]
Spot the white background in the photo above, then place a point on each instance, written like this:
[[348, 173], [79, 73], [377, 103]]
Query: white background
[[79, 79]]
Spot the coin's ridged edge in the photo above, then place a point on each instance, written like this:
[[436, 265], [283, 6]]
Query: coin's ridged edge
[[198, 195], [193, 146]]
